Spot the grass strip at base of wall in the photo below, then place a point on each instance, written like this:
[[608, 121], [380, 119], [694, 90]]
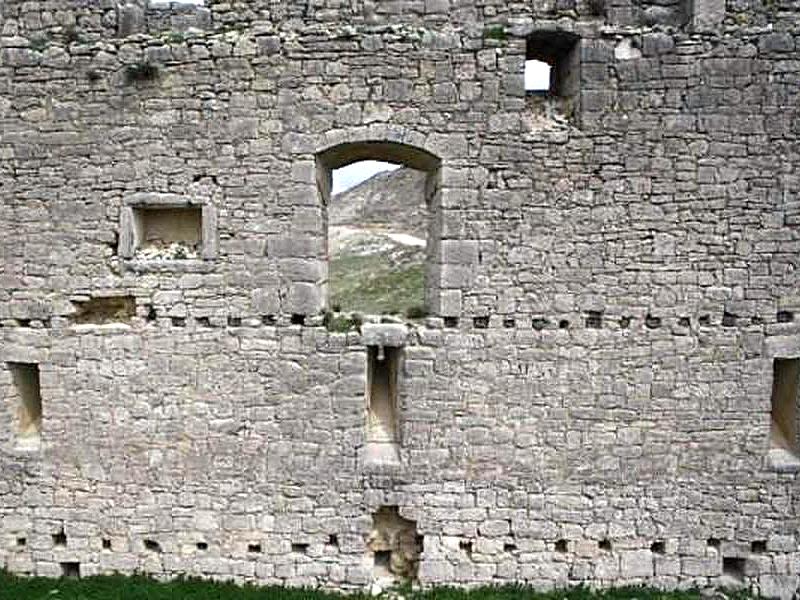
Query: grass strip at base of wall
[[119, 587]]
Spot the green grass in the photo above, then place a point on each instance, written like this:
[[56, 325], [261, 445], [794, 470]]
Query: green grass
[[369, 285], [118, 587]]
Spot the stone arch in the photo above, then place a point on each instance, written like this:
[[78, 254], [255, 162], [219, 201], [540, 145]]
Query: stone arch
[[349, 150]]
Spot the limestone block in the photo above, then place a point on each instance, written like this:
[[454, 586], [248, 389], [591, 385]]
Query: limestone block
[[782, 587], [304, 299], [636, 563], [265, 301], [450, 303], [393, 335], [707, 14]]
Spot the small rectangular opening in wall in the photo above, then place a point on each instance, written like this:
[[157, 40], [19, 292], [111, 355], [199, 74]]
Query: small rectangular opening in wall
[[29, 403], [382, 426], [783, 429], [168, 232], [60, 538], [71, 570], [300, 548], [383, 561], [733, 566], [110, 309]]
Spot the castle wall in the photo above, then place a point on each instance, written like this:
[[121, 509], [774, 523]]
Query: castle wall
[[614, 274]]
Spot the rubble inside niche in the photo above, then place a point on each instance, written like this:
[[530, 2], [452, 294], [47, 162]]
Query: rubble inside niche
[[161, 250]]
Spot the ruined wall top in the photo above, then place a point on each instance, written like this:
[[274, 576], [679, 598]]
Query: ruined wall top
[[85, 20]]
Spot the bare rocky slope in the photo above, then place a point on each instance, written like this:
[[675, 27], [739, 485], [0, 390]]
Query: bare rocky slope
[[391, 199]]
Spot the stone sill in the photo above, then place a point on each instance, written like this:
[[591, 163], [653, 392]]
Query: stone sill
[[188, 265], [781, 460], [381, 458], [27, 445]]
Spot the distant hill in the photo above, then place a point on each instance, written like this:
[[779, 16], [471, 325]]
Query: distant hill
[[391, 199]]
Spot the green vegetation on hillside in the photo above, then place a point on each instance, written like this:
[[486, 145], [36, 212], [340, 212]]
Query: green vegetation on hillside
[[369, 285], [118, 587]]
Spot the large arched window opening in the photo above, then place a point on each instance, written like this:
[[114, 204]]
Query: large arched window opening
[[382, 235]]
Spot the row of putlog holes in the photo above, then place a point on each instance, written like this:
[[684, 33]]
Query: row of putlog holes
[[595, 319], [731, 565], [71, 569]]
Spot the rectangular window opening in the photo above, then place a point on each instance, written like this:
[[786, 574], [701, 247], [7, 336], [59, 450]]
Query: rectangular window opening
[[552, 64], [783, 429], [28, 401], [168, 233], [103, 310], [382, 421]]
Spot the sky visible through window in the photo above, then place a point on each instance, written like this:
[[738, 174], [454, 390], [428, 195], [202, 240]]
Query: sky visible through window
[[537, 76], [353, 174]]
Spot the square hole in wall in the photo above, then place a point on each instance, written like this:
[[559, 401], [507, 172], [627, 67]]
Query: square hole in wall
[[106, 544], [60, 538], [28, 401], [254, 548], [552, 64], [382, 561], [71, 570], [300, 547], [733, 566]]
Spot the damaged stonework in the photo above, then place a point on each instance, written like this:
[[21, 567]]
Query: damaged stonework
[[394, 545]]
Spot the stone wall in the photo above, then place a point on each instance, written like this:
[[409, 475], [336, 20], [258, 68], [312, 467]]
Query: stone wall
[[613, 275]]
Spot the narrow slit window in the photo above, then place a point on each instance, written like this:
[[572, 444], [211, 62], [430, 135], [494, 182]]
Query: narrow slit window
[[28, 401], [382, 418], [783, 430]]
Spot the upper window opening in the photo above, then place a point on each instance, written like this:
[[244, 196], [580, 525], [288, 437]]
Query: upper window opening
[[378, 199], [552, 59]]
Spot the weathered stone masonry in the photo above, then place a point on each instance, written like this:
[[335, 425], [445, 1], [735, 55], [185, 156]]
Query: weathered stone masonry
[[611, 280]]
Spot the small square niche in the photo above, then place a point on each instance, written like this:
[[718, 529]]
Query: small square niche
[[168, 233], [162, 227]]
